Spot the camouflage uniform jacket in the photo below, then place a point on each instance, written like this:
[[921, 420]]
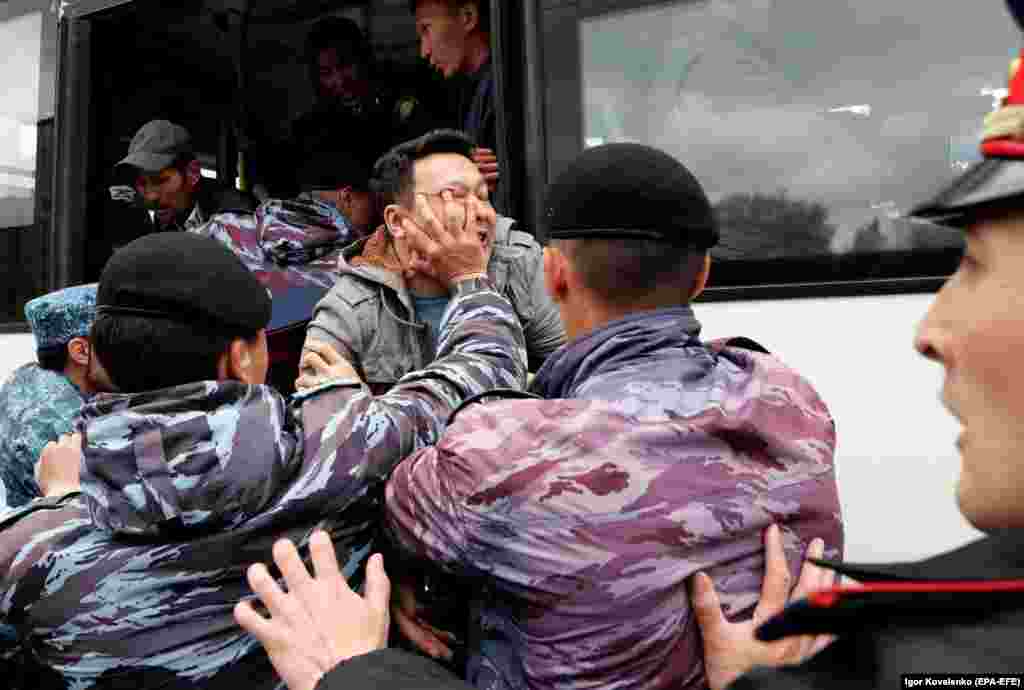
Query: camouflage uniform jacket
[[582, 516], [36, 407], [133, 584], [286, 242], [369, 314]]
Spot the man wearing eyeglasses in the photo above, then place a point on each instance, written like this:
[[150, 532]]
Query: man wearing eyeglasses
[[384, 313]]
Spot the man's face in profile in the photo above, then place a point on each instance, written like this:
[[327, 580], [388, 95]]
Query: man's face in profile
[[442, 36], [975, 329]]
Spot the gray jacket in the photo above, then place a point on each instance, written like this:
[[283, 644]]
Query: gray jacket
[[369, 317]]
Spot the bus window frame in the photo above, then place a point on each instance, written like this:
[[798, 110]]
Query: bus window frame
[[554, 84]]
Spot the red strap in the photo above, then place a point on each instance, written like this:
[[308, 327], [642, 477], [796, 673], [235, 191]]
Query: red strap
[[829, 597]]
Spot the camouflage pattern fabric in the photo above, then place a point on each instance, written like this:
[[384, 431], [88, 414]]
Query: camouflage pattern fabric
[[582, 516], [133, 584], [285, 242], [36, 407], [57, 317]]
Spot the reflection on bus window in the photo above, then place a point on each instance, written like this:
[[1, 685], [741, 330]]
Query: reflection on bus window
[[813, 126], [20, 38], [28, 55]]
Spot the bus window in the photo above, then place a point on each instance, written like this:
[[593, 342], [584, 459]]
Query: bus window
[[28, 47], [813, 126]]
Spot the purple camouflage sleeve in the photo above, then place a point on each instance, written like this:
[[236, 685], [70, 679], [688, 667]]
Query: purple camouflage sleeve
[[481, 348]]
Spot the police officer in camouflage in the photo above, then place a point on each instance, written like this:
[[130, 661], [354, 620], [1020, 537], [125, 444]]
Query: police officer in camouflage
[[578, 518], [40, 400], [191, 467]]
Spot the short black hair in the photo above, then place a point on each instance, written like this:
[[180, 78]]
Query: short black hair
[[392, 173], [53, 358], [624, 271], [342, 34], [483, 9], [143, 354]]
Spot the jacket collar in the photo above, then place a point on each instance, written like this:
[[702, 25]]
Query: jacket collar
[[999, 556], [613, 345], [981, 579]]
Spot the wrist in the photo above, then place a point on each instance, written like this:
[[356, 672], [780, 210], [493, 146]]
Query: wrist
[[473, 282], [59, 489]]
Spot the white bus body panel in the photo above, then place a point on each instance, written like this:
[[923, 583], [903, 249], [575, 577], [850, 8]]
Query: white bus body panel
[[896, 458]]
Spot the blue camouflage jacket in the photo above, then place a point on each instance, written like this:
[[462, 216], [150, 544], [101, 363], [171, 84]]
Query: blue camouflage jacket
[[36, 407], [133, 584], [580, 518]]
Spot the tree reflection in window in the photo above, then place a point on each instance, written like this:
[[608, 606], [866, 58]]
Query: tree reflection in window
[[814, 126]]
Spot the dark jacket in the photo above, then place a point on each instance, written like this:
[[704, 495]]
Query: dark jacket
[[133, 583], [390, 669], [579, 518], [928, 629]]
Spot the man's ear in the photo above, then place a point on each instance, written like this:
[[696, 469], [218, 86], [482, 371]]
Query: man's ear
[[555, 265], [393, 214], [78, 351], [193, 173], [345, 199], [235, 364], [701, 281], [469, 15]]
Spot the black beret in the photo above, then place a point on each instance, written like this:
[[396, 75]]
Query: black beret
[[186, 278], [630, 191]]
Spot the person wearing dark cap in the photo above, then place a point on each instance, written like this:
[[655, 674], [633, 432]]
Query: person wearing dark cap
[[959, 612], [383, 315], [191, 468], [168, 179], [577, 518], [40, 400]]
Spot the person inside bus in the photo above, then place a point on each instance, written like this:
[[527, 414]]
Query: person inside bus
[[169, 180], [40, 400], [962, 611], [358, 95], [190, 468], [385, 316], [455, 37], [578, 518]]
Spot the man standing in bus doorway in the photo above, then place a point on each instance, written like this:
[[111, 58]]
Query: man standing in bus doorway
[[455, 36], [168, 177], [39, 402]]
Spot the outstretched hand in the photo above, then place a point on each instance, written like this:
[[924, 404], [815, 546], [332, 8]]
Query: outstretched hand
[[57, 471], [319, 622], [321, 363], [730, 649]]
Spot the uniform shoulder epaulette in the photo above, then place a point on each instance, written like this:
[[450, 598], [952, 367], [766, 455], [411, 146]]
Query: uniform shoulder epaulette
[[15, 515]]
